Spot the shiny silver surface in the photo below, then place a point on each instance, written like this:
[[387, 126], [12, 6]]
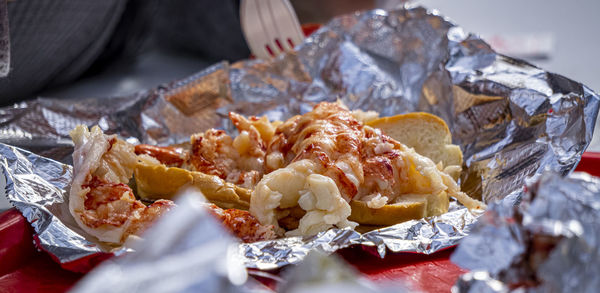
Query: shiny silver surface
[[37, 187], [424, 236], [511, 119], [549, 241], [185, 252], [199, 256]]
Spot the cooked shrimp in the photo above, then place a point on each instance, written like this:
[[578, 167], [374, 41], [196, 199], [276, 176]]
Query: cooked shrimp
[[104, 205], [169, 156], [242, 224], [239, 160], [212, 153], [100, 200]]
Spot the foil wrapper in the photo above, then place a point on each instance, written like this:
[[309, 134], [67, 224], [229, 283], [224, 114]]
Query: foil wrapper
[[547, 243], [173, 257], [38, 188], [511, 119], [186, 251], [424, 236]]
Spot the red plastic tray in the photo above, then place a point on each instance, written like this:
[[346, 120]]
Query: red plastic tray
[[23, 269]]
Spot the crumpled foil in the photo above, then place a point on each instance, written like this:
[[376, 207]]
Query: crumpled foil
[[186, 251], [547, 243], [176, 260], [511, 119], [38, 188], [478, 282], [424, 236]]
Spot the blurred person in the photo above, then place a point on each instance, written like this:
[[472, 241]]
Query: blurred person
[[54, 42]]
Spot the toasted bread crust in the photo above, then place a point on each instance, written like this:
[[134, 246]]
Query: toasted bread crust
[[423, 117], [159, 181], [155, 181], [407, 207], [428, 134], [390, 214]]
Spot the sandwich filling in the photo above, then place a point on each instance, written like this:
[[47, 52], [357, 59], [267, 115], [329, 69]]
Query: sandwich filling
[[312, 172], [305, 171]]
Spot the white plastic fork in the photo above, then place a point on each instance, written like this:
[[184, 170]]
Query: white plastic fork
[[270, 27]]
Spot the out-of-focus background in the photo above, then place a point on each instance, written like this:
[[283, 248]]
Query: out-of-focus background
[[75, 49], [565, 34]]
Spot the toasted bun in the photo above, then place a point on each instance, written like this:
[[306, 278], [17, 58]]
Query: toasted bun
[[156, 181], [426, 133], [407, 207], [429, 136]]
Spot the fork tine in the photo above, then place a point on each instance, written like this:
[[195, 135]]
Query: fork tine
[[288, 26], [265, 23], [252, 29], [275, 16], [269, 25]]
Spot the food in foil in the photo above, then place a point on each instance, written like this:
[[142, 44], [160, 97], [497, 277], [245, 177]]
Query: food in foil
[[312, 172], [326, 158], [549, 242], [100, 200], [104, 205], [511, 120], [176, 260], [184, 252]]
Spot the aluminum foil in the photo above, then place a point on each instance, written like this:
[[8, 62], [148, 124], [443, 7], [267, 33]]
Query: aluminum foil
[[511, 119], [548, 243], [424, 236], [38, 188], [173, 257]]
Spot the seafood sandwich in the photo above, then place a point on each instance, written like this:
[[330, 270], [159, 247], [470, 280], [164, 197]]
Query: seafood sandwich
[[329, 167]]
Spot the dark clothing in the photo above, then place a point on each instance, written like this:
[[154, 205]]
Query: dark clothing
[[54, 42]]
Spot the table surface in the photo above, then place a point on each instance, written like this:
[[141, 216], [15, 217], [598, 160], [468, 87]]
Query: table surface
[[26, 270]]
